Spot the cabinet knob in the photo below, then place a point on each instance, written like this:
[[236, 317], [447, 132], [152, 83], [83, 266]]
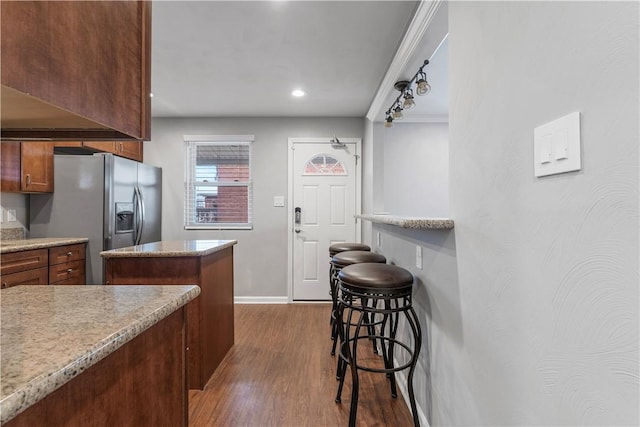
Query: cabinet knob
[[4, 285], [69, 253], [28, 176], [69, 270]]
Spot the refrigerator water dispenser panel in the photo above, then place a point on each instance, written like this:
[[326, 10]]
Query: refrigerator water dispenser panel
[[124, 218]]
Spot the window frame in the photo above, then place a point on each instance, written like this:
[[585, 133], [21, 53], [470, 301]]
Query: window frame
[[190, 184]]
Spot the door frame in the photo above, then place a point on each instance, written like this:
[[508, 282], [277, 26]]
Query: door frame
[[289, 206]]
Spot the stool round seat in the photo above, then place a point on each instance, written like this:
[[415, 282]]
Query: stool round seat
[[343, 259], [374, 277], [347, 246]]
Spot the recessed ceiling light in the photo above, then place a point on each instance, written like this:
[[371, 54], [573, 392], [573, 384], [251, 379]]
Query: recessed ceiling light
[[298, 93]]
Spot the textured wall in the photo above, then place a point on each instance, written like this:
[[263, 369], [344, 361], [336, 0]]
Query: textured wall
[[261, 253], [547, 268]]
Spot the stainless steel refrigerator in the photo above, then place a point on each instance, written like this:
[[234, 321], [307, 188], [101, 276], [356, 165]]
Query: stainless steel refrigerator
[[115, 202]]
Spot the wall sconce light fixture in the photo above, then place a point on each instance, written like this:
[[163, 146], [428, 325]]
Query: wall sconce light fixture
[[405, 100]]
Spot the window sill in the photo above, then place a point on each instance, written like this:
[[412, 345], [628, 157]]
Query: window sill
[[219, 227]]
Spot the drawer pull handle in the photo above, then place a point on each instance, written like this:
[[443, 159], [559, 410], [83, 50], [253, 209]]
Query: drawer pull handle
[[5, 284], [69, 270], [69, 253], [28, 179]]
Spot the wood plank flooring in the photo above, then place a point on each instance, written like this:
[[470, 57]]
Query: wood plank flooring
[[280, 373]]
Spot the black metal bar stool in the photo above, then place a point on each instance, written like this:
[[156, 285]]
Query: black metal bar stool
[[387, 291], [338, 262], [333, 250]]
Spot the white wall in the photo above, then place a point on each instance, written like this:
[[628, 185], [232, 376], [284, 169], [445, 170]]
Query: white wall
[[416, 169], [531, 303], [547, 267], [261, 253]]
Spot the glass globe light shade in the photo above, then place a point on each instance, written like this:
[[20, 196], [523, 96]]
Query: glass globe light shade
[[423, 87], [397, 113], [408, 102]]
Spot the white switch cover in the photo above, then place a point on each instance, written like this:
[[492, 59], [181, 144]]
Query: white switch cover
[[278, 201], [419, 257], [11, 215], [556, 146]]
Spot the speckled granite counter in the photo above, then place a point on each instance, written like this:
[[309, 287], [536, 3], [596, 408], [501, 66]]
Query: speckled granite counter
[[51, 334], [413, 223], [171, 248], [7, 246]]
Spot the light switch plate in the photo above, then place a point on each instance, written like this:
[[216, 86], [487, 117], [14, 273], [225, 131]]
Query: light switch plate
[[11, 215], [556, 146], [278, 201]]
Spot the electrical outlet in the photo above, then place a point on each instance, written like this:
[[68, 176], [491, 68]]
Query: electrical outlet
[[419, 257], [11, 215]]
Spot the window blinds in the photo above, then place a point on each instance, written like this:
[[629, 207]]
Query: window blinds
[[218, 184]]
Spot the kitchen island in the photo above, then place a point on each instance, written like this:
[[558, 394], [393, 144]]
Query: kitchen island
[[206, 263], [94, 355]]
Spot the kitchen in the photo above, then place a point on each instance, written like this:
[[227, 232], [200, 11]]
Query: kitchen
[[521, 301]]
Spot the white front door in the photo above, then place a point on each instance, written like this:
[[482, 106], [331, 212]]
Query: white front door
[[325, 181]]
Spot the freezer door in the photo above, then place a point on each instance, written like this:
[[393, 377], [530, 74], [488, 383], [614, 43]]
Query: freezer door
[[120, 202], [150, 194]]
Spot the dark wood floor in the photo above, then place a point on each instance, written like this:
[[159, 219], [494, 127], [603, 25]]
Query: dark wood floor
[[280, 373]]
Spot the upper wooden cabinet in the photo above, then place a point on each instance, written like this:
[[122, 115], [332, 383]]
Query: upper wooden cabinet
[[75, 70], [26, 167], [130, 149]]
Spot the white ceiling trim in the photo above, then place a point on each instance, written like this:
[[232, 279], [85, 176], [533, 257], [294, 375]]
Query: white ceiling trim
[[412, 39]]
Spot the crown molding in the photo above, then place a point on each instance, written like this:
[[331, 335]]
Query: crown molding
[[420, 22]]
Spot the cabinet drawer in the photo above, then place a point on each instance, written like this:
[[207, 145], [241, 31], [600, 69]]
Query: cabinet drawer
[[67, 253], [66, 271], [15, 262], [39, 276]]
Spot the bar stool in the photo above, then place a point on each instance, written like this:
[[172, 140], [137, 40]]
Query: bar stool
[[333, 250], [388, 291], [339, 261], [346, 246]]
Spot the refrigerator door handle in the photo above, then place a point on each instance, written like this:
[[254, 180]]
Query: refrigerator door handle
[[142, 214], [136, 225]]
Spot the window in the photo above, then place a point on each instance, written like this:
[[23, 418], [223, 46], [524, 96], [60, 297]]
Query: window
[[218, 182], [324, 164]]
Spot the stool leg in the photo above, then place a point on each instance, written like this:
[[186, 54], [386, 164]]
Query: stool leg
[[388, 361], [412, 319], [371, 330], [335, 328], [341, 364], [345, 351], [355, 384]]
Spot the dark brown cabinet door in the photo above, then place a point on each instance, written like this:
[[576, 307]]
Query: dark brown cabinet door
[[37, 167]]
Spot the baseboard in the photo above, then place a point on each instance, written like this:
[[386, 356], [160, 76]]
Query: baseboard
[[261, 300], [401, 382]]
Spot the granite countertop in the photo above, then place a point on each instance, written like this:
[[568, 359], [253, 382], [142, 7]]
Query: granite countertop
[[7, 246], [416, 223], [50, 334], [171, 248]]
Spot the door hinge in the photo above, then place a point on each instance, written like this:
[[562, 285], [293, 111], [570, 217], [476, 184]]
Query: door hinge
[[357, 156]]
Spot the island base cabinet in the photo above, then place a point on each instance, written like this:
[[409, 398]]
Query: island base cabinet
[[143, 383], [210, 321]]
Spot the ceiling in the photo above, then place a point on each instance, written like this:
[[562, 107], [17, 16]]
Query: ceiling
[[243, 58]]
